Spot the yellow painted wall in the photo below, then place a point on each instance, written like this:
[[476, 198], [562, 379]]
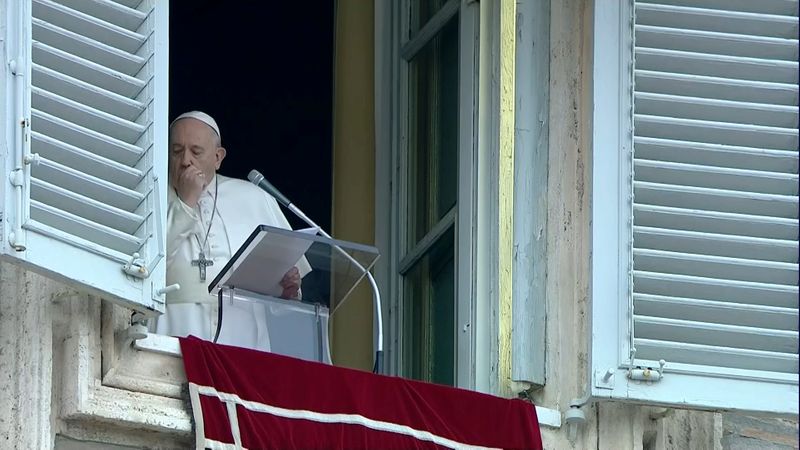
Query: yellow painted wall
[[506, 188], [354, 170]]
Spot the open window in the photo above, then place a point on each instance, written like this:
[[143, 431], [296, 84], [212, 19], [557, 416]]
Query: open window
[[435, 117]]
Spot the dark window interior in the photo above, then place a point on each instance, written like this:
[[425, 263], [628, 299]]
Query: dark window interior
[[264, 71]]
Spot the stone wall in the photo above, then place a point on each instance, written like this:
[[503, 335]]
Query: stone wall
[[742, 432]]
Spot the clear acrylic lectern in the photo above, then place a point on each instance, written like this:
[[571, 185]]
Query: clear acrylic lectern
[[252, 312]]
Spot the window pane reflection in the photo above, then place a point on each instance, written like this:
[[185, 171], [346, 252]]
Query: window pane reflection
[[433, 127], [429, 315], [422, 11]]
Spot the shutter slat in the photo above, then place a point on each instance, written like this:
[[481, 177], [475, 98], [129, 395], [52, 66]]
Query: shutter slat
[[716, 132], [757, 316], [60, 222], [715, 87], [85, 207], [776, 7], [134, 4], [721, 66], [110, 11], [87, 185], [87, 71], [707, 355], [76, 158], [86, 48], [721, 200], [718, 335], [737, 157], [677, 106], [86, 116], [755, 23], [717, 43], [88, 25], [89, 94], [715, 244], [86, 139], [733, 291], [715, 222], [710, 266], [716, 177]]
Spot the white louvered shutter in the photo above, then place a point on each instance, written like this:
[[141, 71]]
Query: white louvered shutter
[[714, 280], [92, 163]]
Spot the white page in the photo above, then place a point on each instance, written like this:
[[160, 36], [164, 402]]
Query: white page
[[272, 255]]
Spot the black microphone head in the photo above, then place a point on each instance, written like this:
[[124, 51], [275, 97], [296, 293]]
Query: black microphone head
[[255, 177]]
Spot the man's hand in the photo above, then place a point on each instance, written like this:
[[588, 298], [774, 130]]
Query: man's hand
[[291, 284], [190, 185]]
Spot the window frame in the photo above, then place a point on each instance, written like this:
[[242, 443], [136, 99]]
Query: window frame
[[393, 132]]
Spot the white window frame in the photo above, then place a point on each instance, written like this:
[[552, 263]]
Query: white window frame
[[611, 255], [392, 137]]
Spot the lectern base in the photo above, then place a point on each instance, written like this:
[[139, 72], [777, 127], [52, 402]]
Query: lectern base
[[287, 327]]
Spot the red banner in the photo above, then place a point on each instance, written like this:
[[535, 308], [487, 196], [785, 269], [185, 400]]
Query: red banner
[[248, 399]]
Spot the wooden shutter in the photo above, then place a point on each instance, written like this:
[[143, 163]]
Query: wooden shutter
[[715, 205], [697, 186], [93, 163]]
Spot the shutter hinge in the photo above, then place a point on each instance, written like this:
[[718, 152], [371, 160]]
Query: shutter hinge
[[16, 238], [647, 373]]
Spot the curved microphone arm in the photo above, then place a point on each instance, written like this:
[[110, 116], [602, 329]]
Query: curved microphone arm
[[258, 179], [376, 295]]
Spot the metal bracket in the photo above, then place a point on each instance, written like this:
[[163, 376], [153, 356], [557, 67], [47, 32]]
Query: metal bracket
[[138, 329], [167, 289], [136, 267], [604, 379], [647, 373], [32, 159]]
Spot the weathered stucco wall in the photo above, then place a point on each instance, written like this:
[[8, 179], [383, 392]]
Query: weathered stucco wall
[[53, 388]]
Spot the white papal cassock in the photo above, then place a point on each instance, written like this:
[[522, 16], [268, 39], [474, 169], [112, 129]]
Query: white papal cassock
[[240, 208]]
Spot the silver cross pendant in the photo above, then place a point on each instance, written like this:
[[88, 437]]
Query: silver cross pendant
[[201, 262]]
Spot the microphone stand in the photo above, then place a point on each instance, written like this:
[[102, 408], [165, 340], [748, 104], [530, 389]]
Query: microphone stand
[[376, 295], [258, 179]]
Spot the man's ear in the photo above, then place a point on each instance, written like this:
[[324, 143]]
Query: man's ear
[[221, 152]]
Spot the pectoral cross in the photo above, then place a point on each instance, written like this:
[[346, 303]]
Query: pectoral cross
[[201, 262]]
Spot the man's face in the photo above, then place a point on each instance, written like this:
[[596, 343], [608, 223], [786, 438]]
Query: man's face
[[193, 144]]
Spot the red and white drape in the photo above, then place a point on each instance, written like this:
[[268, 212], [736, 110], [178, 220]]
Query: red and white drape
[[247, 399]]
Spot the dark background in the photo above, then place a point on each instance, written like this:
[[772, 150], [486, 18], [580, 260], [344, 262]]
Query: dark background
[[264, 71]]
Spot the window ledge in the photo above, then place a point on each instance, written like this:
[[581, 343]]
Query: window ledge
[[550, 418], [158, 343]]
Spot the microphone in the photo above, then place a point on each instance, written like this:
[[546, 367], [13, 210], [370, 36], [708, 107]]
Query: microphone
[[258, 179]]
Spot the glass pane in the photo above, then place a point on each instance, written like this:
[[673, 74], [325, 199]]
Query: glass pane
[[422, 11], [429, 315], [433, 127]]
